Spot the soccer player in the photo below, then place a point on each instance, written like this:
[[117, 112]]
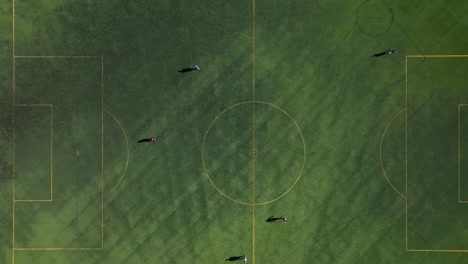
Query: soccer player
[[385, 52], [151, 139], [194, 68], [237, 258]]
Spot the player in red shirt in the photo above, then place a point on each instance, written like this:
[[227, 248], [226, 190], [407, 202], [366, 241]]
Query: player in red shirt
[[151, 139]]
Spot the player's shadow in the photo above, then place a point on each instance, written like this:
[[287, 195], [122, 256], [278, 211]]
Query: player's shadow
[[235, 258], [187, 70], [144, 140], [379, 54], [273, 219], [392, 51]]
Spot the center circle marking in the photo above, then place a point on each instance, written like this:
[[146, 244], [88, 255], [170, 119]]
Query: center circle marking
[[253, 152]]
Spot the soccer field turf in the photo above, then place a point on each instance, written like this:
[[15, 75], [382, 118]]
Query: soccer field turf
[[289, 116]]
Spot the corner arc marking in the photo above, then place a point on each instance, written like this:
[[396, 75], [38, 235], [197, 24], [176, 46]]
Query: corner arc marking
[[128, 151], [381, 160]]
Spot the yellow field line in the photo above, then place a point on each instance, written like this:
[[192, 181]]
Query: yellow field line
[[34, 105], [253, 233], [406, 152], [54, 249], [128, 152], [439, 250], [51, 153], [436, 56], [58, 57], [102, 152], [253, 50], [29, 201], [14, 131], [459, 153], [13, 28], [381, 159], [253, 131]]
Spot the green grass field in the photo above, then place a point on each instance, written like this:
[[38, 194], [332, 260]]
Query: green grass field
[[289, 115]]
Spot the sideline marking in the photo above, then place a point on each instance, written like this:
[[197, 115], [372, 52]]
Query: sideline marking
[[13, 64], [254, 157]]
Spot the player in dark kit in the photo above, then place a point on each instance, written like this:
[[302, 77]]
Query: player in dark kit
[[237, 258], [194, 68], [151, 139], [272, 219], [385, 52]]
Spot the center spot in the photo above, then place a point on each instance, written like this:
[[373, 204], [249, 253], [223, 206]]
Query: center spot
[[253, 153]]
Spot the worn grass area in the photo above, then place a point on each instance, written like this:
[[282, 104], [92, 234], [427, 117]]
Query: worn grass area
[[289, 115]]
